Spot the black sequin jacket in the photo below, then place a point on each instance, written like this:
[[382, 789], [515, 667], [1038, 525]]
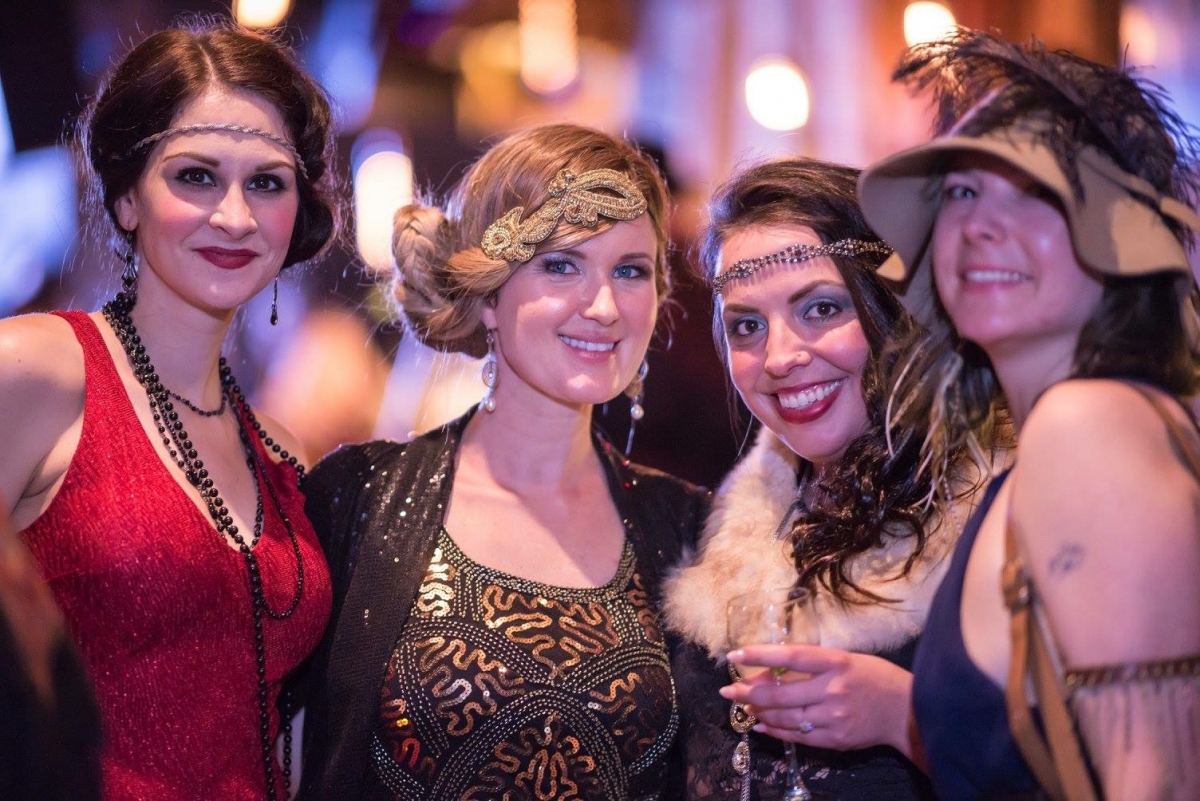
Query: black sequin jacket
[[377, 508]]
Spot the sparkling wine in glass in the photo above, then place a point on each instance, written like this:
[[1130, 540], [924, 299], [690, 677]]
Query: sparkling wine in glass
[[782, 615]]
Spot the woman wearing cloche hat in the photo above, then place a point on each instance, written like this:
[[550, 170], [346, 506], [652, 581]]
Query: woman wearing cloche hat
[[1042, 238]]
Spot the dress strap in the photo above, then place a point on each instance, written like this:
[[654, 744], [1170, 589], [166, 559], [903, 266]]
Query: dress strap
[[1185, 440], [98, 367]]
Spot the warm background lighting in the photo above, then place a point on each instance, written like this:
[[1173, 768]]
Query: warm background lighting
[[549, 44], [261, 13], [383, 182], [777, 94], [1139, 36], [927, 22]]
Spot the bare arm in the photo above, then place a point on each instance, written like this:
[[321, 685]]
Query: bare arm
[[1109, 522], [41, 411]]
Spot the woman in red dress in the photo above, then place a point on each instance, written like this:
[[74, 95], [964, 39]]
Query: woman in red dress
[[163, 512]]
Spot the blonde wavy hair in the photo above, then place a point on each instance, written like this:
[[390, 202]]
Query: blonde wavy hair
[[443, 278]]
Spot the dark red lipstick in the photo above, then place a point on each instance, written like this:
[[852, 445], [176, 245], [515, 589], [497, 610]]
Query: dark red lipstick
[[226, 258], [811, 412]]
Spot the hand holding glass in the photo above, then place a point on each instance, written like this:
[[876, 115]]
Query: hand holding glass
[[773, 617]]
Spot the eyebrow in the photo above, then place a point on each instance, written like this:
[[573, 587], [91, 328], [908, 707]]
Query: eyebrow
[[210, 161], [637, 254], [795, 297]]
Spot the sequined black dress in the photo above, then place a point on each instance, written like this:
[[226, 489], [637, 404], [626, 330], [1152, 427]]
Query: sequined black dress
[[379, 509], [498, 685]]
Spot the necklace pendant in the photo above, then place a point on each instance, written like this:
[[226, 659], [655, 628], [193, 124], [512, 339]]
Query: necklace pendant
[[740, 720], [741, 757]]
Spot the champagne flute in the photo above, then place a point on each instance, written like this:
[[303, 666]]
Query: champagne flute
[[782, 615]]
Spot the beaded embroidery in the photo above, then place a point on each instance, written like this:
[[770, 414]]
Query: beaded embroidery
[[572, 198], [1082, 678], [499, 685]]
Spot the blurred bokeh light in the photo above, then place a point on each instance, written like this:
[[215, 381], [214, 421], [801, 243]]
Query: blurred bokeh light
[[926, 21], [777, 94], [383, 183], [261, 13], [549, 45]]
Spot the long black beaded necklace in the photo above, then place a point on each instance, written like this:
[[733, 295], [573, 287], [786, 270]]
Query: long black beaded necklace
[[183, 452]]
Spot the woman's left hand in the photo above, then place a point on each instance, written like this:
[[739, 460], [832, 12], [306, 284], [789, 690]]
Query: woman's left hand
[[828, 698]]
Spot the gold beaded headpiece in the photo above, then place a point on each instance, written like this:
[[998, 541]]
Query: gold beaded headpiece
[[572, 198], [794, 254], [222, 126]]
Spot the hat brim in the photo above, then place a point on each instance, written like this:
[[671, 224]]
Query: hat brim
[[1117, 224]]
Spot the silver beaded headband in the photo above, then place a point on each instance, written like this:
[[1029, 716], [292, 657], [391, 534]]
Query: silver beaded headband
[[793, 254], [222, 126]]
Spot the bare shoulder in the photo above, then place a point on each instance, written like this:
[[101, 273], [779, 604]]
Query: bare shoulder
[[40, 348], [285, 439], [1103, 439], [41, 374], [1108, 519], [41, 401], [1077, 420]]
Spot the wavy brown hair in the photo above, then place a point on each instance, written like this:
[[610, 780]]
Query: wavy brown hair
[[874, 493]]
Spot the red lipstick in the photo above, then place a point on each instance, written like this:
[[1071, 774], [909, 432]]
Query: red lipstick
[[809, 413], [227, 259]]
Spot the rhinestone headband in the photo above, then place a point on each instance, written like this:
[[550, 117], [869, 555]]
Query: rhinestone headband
[[222, 126], [793, 254], [572, 198]]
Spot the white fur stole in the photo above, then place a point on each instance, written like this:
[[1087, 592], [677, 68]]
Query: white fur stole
[[738, 553]]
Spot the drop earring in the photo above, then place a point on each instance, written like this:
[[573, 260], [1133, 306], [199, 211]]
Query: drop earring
[[129, 273], [275, 303], [636, 392], [489, 374]]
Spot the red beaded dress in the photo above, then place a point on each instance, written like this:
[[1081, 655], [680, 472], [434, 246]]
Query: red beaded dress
[[160, 605]]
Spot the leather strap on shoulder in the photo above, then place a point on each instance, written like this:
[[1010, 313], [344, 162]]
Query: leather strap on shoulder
[[1056, 758]]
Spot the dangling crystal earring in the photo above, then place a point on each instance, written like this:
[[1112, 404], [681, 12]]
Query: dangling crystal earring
[[275, 303], [636, 393], [129, 273], [489, 374]]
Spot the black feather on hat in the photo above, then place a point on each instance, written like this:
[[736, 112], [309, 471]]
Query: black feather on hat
[[1077, 103]]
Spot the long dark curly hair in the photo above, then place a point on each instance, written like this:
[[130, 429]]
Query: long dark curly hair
[[874, 493]]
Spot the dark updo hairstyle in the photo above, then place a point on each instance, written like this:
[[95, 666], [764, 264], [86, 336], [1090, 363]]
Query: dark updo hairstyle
[[443, 277], [870, 495], [143, 94]]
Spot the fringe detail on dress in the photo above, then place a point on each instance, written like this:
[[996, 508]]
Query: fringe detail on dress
[[1143, 736]]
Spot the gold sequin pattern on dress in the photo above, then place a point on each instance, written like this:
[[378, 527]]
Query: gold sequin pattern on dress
[[499, 687]]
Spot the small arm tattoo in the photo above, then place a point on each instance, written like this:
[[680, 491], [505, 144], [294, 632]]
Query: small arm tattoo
[[1069, 557]]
